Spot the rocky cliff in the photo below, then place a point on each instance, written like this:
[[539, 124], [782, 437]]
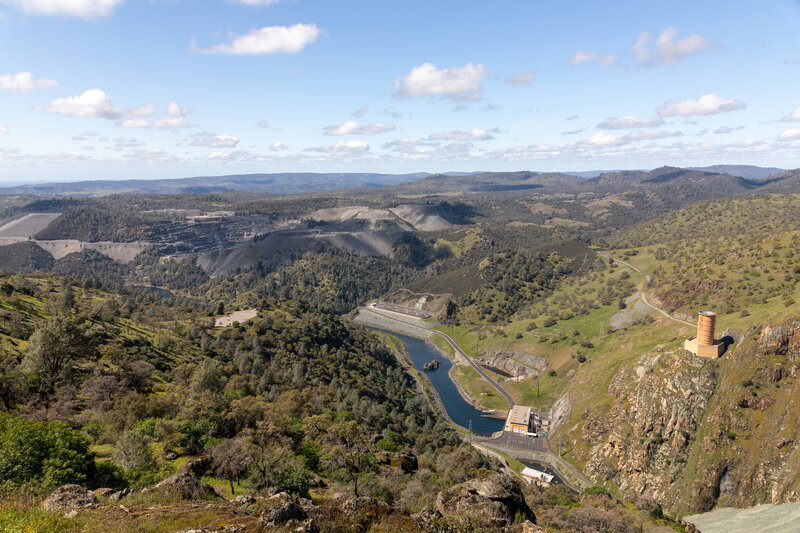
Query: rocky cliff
[[689, 433]]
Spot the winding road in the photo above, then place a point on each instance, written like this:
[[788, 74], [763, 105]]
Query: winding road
[[643, 296]]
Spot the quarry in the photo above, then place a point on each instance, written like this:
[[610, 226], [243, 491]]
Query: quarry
[[223, 241]]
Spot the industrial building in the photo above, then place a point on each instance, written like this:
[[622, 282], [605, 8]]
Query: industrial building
[[704, 345], [519, 420]]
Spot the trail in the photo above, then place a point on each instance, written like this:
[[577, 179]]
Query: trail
[[643, 296]]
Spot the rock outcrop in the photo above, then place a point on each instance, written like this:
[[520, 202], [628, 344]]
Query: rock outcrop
[[186, 486], [514, 364], [494, 502], [197, 466], [69, 497], [692, 434]]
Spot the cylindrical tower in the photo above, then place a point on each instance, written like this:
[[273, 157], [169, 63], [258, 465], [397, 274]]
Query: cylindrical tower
[[705, 328]]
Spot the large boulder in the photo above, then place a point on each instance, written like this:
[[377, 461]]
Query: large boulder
[[283, 513], [198, 466], [494, 502], [69, 497], [187, 487], [407, 462]]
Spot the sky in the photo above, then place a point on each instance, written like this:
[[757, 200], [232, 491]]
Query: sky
[[119, 89]]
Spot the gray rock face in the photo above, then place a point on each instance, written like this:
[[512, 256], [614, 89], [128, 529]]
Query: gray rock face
[[493, 502], [187, 487], [656, 411], [69, 497], [515, 364]]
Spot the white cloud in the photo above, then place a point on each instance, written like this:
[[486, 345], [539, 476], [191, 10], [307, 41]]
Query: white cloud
[[391, 112], [86, 135], [591, 57], [351, 127], [263, 124], [794, 116], [278, 146], [668, 49], [708, 104], [23, 81], [269, 40], [789, 135], [91, 103], [149, 155], [460, 83], [604, 140], [122, 142], [71, 8], [671, 50], [627, 121], [141, 117], [236, 155], [407, 144], [212, 140], [722, 130], [472, 135], [3, 129], [641, 50], [361, 111], [341, 147], [650, 135], [521, 78]]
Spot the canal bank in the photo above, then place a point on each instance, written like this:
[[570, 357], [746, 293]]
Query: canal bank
[[459, 411], [419, 352]]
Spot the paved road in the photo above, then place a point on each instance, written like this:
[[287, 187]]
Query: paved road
[[643, 296], [477, 368], [512, 440], [538, 448]]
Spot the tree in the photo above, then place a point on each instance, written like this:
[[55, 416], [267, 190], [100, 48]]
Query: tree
[[55, 347], [271, 448], [351, 454], [232, 459], [132, 452], [48, 453]]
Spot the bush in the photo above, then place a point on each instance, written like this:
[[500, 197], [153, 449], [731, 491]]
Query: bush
[[47, 453], [132, 452], [596, 491]]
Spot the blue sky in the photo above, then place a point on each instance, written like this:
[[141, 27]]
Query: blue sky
[[113, 89]]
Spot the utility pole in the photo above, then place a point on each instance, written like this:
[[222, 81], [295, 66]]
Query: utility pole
[[559, 445], [470, 431]]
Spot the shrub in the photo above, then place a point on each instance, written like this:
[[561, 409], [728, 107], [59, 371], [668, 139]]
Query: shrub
[[48, 453], [132, 451], [596, 491]]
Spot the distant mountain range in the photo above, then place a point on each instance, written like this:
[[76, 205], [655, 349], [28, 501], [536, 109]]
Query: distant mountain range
[[743, 171], [420, 182]]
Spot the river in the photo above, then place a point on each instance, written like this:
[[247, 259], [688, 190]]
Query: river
[[459, 410]]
